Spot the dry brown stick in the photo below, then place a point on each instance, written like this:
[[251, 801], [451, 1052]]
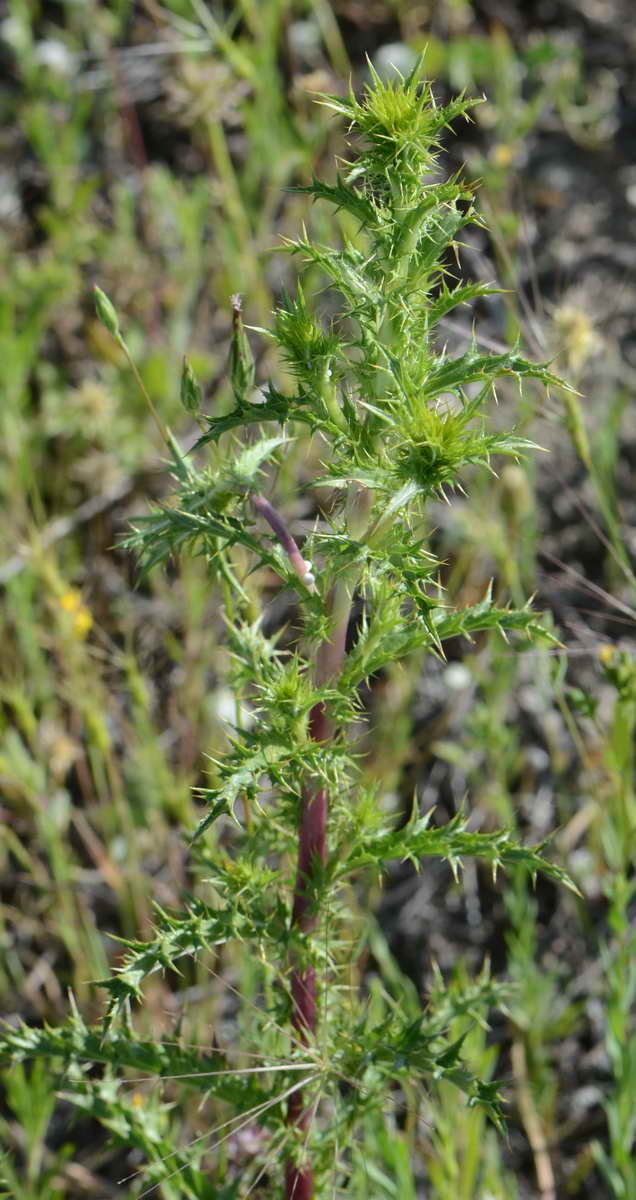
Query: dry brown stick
[[532, 1122]]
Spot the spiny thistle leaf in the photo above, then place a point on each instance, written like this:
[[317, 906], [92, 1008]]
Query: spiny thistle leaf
[[478, 618], [452, 842], [406, 1048], [472, 367], [450, 298], [191, 932], [342, 197]]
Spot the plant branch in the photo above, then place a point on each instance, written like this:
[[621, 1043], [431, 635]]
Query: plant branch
[[299, 564]]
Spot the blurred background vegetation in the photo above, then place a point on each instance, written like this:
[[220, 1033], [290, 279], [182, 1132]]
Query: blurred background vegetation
[[149, 147]]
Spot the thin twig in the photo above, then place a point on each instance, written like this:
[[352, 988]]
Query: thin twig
[[60, 528], [532, 1123]]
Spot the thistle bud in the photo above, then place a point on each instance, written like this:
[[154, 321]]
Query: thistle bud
[[242, 371], [105, 311], [190, 390]]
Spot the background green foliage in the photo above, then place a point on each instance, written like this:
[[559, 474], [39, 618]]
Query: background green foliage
[[150, 148]]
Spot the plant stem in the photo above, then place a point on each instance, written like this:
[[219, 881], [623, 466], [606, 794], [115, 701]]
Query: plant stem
[[312, 849], [277, 523], [143, 389], [312, 836]]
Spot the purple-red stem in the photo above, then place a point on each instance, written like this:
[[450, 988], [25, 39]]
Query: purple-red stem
[[289, 544], [312, 841], [311, 858], [312, 849]]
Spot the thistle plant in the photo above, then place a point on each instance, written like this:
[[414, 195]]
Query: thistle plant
[[290, 825]]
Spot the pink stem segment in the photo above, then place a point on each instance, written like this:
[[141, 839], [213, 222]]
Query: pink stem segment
[[312, 840], [311, 859], [312, 852], [289, 544]]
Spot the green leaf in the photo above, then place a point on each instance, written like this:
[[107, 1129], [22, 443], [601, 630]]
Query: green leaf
[[450, 298], [473, 367], [191, 932], [452, 842], [76, 1043], [342, 196], [478, 618], [246, 465]]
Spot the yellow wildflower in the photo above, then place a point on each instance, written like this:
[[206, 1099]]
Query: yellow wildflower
[[502, 154], [82, 618]]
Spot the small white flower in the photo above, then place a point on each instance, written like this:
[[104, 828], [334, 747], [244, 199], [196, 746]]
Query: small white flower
[[54, 55], [457, 677]]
